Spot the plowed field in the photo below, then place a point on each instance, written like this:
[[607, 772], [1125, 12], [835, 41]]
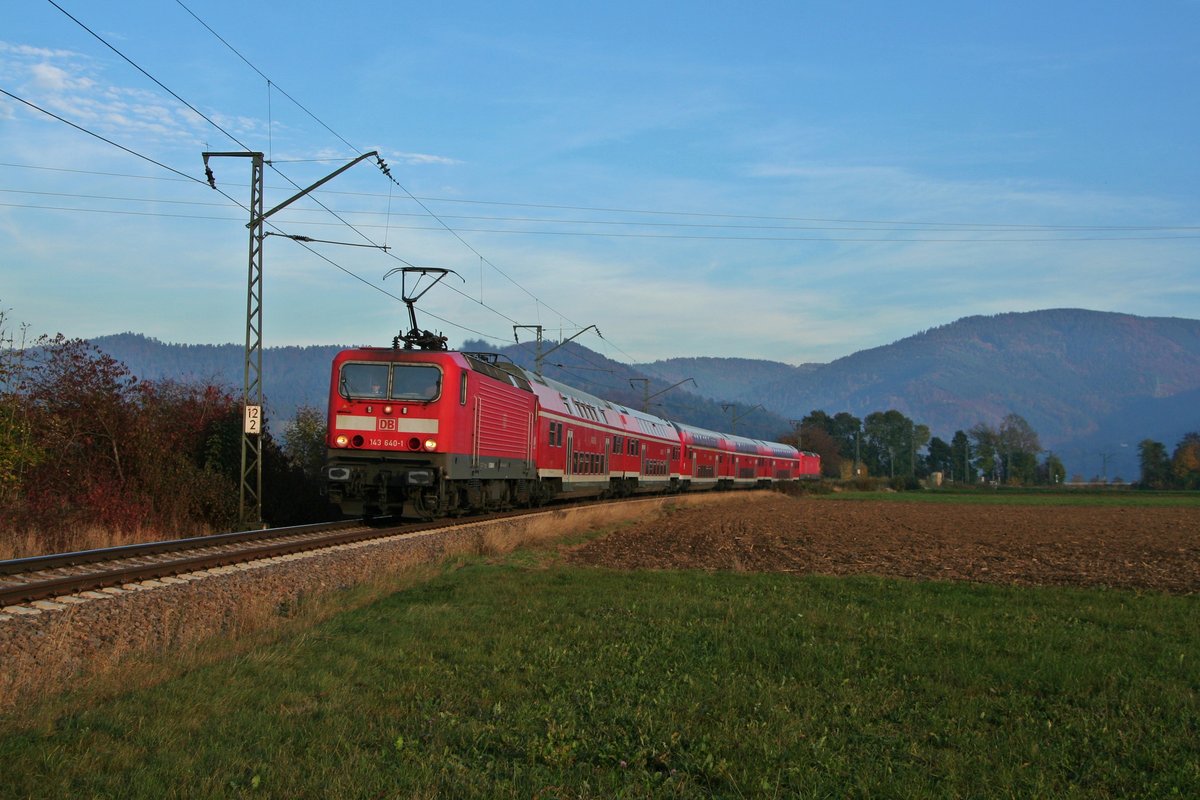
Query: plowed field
[[1132, 548]]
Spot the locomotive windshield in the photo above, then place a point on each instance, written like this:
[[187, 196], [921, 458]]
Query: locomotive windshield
[[415, 382], [419, 382]]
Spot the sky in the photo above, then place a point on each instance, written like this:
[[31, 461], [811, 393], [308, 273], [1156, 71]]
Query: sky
[[793, 181]]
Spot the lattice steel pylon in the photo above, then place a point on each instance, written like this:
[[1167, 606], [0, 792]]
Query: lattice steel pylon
[[250, 496], [251, 493]]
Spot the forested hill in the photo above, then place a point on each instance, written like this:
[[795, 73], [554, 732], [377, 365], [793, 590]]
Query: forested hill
[[1089, 382], [1092, 384], [292, 376]]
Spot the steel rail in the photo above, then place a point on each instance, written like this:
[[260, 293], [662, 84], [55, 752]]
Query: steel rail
[[47, 588], [72, 584], [57, 560]]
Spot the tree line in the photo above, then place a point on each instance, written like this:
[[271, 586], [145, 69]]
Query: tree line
[[84, 443], [1180, 470], [887, 444]]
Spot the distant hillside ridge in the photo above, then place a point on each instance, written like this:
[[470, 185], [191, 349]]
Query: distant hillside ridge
[[1063, 370], [723, 378], [299, 376], [1092, 384], [291, 376]]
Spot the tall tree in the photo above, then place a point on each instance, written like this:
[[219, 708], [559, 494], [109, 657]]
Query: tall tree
[[81, 401], [818, 419], [843, 427], [940, 456], [304, 441], [960, 448], [817, 440], [1185, 462], [1155, 464], [919, 437], [1018, 444], [1053, 471], [987, 442], [846, 429], [888, 442]]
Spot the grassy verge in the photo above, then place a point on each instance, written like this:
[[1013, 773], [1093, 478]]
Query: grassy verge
[[526, 679]]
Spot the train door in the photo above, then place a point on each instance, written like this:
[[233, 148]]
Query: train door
[[569, 467], [476, 417]]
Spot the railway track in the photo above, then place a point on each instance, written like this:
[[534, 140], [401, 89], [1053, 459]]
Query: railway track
[[27, 580]]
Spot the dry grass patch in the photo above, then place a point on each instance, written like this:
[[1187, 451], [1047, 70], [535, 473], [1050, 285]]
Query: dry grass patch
[[29, 543]]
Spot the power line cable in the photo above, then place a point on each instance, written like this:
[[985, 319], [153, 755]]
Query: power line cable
[[207, 119], [82, 129], [383, 168], [927, 226], [991, 239], [197, 180], [248, 63]]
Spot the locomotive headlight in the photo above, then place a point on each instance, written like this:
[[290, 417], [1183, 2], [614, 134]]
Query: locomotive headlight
[[431, 444], [387, 409], [342, 440]]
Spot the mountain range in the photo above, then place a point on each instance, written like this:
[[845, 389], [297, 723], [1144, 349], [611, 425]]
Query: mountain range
[[1092, 384]]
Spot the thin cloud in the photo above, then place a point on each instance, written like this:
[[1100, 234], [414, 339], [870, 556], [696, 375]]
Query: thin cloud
[[421, 159]]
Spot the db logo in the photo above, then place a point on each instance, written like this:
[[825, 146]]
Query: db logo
[[387, 424]]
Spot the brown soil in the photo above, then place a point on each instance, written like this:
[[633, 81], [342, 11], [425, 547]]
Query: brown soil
[[1132, 548]]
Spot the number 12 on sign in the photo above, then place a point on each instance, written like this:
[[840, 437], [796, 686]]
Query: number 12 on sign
[[253, 421]]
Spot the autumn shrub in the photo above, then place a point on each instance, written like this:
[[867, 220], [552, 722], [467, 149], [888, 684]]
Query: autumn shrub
[[152, 459]]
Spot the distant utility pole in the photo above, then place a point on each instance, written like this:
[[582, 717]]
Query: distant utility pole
[[647, 397], [734, 416], [541, 355], [537, 358], [796, 424], [250, 497]]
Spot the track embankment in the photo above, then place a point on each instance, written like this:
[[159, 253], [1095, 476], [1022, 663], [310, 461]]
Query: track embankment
[[48, 645]]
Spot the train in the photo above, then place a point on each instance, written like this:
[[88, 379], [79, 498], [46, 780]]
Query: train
[[426, 431], [422, 430]]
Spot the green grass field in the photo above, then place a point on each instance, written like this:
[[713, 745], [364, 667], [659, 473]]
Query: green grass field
[[529, 679]]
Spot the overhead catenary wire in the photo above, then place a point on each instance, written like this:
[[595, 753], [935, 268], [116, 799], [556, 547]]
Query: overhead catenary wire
[[383, 168], [991, 230], [144, 157], [454, 231], [232, 138], [986, 237], [196, 111]]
